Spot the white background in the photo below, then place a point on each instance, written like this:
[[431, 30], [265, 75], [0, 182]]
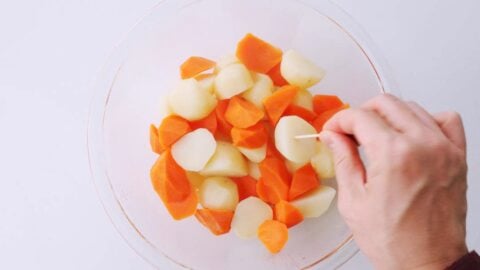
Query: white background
[[50, 52]]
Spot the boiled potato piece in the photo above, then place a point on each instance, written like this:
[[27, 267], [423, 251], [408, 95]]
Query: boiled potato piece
[[164, 107], [254, 170], [299, 71], [207, 84], [194, 149], [261, 89], [226, 161], [295, 150], [322, 162], [218, 193], [225, 61], [304, 99], [191, 102], [195, 179], [232, 80], [256, 154], [249, 215], [316, 202], [292, 166]]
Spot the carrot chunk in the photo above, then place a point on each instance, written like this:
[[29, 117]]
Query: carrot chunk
[[276, 104], [304, 180], [301, 112], [252, 137], [276, 76], [170, 182], [223, 127], [258, 55], [273, 234], [323, 103], [276, 177], [242, 114], [246, 187], [195, 65], [272, 150], [265, 193], [154, 143], [218, 222], [287, 214], [325, 116], [209, 122], [171, 130]]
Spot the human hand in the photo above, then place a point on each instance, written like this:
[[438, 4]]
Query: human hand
[[406, 205]]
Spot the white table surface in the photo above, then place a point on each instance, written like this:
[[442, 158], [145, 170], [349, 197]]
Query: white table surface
[[50, 52]]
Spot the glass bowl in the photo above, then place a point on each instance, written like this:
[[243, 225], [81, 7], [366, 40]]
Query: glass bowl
[[129, 94]]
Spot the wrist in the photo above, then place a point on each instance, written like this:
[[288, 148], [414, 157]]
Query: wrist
[[446, 260]]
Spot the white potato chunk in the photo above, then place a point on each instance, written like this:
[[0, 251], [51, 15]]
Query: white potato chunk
[[322, 162], [207, 84], [261, 89], [194, 149], [225, 61], [254, 170], [304, 99], [191, 102], [299, 71], [226, 161], [316, 202], [164, 107], [295, 150], [218, 193], [249, 215], [255, 155], [232, 80]]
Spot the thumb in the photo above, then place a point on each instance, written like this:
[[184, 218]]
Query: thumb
[[349, 168]]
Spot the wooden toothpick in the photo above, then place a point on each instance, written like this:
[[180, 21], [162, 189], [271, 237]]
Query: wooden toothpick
[[308, 136]]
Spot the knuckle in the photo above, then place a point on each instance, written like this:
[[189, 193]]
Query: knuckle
[[403, 147]]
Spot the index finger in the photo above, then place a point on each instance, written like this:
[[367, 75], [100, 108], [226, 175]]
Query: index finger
[[366, 126]]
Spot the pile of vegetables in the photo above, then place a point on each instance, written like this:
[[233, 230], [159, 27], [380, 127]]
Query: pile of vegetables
[[228, 153]]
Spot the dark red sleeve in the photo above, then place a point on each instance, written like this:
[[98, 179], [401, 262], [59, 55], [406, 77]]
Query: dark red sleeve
[[471, 261]]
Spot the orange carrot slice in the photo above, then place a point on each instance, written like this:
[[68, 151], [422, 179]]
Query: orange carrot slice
[[185, 208], [209, 122], [273, 234], [195, 65], [246, 187], [170, 182], [276, 177], [252, 137], [171, 130], [276, 104], [304, 180], [154, 143], [272, 150], [218, 222], [242, 114], [265, 193], [169, 179], [287, 214], [325, 116], [224, 128], [301, 112], [258, 55], [276, 76], [323, 103]]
